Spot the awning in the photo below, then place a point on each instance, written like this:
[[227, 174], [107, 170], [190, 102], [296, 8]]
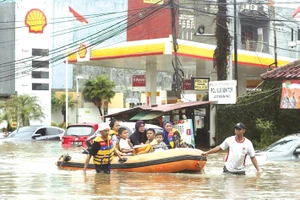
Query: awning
[[147, 115], [139, 115], [151, 112]]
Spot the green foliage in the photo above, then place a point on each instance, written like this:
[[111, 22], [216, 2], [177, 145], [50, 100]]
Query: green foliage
[[266, 129], [264, 105], [59, 103], [222, 50], [98, 90], [63, 125], [21, 108], [54, 124]]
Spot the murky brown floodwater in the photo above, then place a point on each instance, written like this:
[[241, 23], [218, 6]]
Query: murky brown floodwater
[[28, 171]]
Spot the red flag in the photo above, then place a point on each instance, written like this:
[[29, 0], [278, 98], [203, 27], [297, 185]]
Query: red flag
[[297, 11], [78, 16]]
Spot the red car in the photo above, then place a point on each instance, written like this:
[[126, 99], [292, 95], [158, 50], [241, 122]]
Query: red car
[[76, 134]]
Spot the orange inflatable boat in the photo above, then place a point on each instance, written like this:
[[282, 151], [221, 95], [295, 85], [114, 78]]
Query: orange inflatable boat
[[165, 161]]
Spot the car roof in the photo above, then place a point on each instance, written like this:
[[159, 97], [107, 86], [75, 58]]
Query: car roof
[[294, 136], [41, 126], [84, 123]]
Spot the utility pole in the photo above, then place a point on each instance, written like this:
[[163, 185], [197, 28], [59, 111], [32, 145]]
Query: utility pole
[[275, 37], [175, 48], [235, 43]]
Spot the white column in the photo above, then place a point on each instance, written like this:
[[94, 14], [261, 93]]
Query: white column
[[213, 113], [151, 81]]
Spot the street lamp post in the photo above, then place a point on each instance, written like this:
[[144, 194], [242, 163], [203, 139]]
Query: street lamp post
[[77, 95]]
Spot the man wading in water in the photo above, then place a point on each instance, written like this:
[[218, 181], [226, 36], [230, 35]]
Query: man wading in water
[[102, 151], [239, 148]]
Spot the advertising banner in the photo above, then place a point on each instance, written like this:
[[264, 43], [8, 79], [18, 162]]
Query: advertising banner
[[138, 83], [223, 92], [186, 129], [290, 94], [187, 84]]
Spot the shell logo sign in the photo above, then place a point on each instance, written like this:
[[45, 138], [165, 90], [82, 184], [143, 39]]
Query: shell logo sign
[[82, 51], [36, 21]]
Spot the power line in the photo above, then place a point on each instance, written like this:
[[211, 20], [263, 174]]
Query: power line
[[135, 21]]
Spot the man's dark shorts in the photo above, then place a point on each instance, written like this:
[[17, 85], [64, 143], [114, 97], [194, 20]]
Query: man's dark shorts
[[225, 170], [102, 168]]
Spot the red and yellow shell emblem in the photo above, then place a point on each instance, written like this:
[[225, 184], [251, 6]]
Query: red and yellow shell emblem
[[36, 21], [82, 51]]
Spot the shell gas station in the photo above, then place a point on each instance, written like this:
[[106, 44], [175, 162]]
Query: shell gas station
[[148, 47]]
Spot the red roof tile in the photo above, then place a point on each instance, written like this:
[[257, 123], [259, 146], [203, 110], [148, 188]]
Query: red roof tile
[[289, 71]]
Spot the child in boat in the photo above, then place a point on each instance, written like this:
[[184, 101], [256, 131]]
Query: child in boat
[[125, 144], [151, 137], [159, 136]]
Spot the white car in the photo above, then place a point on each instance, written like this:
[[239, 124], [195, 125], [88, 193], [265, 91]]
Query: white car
[[287, 148]]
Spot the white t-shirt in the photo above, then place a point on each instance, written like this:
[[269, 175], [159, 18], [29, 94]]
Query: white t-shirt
[[115, 139], [237, 152], [124, 144]]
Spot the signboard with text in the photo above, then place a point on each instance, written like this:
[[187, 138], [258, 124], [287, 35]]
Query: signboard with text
[[138, 83], [200, 83], [223, 92], [187, 84]]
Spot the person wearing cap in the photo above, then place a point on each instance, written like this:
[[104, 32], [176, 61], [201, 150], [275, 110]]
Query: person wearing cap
[[102, 150], [139, 135], [238, 148]]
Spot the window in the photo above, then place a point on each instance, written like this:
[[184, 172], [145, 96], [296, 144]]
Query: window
[[298, 35], [40, 52], [40, 64], [53, 131], [36, 74], [40, 86]]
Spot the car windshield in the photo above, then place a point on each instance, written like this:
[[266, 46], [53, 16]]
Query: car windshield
[[79, 131], [23, 132], [282, 145]]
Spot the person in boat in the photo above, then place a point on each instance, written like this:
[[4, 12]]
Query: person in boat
[[102, 151], [125, 145], [159, 137], [114, 133], [151, 136], [238, 148], [139, 136], [172, 136]]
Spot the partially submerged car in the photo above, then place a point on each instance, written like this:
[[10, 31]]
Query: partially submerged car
[[77, 134], [35, 132], [287, 148]]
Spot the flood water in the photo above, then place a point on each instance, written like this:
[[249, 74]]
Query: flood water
[[28, 171]]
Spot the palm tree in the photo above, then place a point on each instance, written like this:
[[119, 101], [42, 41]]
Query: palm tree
[[98, 90], [22, 108], [59, 102]]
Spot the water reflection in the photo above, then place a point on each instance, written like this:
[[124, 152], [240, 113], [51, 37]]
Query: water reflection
[[28, 171]]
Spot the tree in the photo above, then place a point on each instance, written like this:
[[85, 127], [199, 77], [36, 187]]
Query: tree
[[98, 90], [59, 102], [22, 109], [222, 50]]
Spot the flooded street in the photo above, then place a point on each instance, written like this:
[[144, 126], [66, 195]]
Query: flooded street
[[28, 171]]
